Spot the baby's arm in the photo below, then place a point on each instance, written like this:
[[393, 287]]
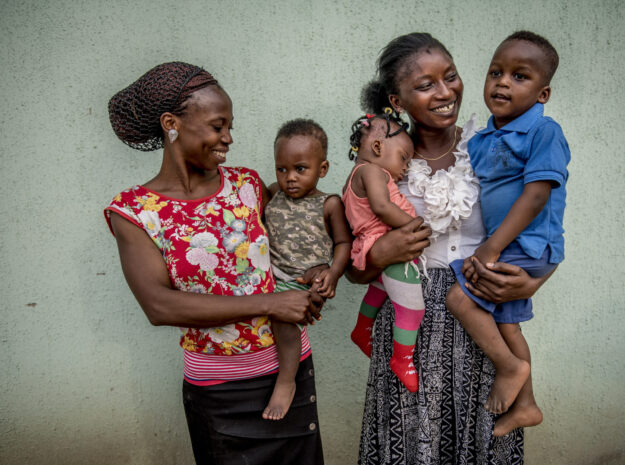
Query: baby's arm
[[527, 207], [334, 216], [374, 181]]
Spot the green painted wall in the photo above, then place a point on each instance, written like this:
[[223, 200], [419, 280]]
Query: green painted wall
[[86, 379]]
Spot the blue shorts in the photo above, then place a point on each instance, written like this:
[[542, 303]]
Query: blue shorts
[[515, 311]]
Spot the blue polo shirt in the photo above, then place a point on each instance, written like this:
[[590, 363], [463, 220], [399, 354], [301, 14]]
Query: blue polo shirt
[[531, 148]]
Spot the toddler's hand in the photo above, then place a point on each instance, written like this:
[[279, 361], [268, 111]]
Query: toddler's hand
[[485, 255], [310, 277], [325, 283], [468, 268]]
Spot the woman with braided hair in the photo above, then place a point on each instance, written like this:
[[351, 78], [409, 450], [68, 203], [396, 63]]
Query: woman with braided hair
[[445, 421], [195, 254]]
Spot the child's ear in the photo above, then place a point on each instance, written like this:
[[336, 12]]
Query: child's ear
[[323, 168], [376, 147], [544, 95]]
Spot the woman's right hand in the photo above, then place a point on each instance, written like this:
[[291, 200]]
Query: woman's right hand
[[303, 307], [400, 245], [502, 282]]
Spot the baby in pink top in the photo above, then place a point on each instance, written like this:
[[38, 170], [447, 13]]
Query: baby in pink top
[[373, 205]]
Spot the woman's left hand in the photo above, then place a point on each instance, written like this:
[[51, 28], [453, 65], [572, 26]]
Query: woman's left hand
[[502, 282]]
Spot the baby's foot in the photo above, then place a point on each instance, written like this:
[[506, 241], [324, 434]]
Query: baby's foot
[[362, 338], [518, 416], [405, 370], [508, 382], [280, 401]]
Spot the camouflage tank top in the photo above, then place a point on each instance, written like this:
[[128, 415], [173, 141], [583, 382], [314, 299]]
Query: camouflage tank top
[[298, 239]]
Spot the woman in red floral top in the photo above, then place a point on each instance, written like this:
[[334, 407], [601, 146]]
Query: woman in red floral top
[[195, 254]]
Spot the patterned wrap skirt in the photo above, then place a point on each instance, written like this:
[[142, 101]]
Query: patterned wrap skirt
[[445, 421]]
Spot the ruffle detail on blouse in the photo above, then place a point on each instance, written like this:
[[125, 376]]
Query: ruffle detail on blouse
[[448, 195]]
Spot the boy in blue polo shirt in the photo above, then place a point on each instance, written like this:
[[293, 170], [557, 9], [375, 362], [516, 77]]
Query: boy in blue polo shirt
[[520, 160]]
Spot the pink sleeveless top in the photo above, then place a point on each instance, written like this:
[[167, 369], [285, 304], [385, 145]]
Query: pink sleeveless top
[[366, 226]]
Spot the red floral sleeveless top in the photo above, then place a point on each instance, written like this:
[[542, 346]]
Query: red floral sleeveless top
[[213, 245]]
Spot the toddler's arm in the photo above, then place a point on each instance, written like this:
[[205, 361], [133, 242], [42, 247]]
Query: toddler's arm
[[527, 207], [334, 216], [374, 182]]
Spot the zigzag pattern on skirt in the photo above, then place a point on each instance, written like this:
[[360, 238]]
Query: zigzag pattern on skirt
[[444, 423]]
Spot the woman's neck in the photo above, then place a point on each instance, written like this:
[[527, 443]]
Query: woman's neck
[[432, 142], [179, 179], [436, 146]]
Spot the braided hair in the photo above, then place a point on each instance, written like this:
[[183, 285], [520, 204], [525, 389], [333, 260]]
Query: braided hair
[[363, 126], [392, 68], [135, 111]]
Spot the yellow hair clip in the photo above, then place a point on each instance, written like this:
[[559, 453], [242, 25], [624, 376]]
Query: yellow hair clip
[[388, 110], [354, 149]]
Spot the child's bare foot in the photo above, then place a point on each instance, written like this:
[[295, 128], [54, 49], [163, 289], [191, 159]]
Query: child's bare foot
[[280, 401], [363, 339], [508, 382], [519, 416]]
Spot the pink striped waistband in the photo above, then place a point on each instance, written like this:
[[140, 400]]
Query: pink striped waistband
[[205, 369]]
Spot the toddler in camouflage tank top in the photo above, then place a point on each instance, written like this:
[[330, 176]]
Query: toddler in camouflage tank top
[[309, 238]]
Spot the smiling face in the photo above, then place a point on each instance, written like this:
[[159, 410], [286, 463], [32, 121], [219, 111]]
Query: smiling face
[[430, 89], [204, 128], [300, 162], [515, 81]]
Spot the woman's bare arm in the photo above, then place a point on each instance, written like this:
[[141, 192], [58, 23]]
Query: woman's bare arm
[[147, 277]]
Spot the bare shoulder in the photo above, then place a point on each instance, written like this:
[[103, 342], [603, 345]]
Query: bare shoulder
[[333, 204], [373, 171], [273, 188]]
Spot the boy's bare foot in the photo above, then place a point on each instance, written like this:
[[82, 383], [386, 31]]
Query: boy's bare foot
[[519, 416], [508, 382], [280, 401]]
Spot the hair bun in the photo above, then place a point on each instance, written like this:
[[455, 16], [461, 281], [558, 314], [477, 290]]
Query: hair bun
[[374, 98], [135, 111]]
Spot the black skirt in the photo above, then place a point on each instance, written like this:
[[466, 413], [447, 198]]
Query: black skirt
[[226, 425]]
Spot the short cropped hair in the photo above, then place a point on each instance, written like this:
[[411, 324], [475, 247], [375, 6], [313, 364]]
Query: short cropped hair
[[304, 127], [550, 64]]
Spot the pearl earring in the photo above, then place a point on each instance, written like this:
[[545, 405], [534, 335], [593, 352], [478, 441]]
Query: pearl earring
[[173, 135]]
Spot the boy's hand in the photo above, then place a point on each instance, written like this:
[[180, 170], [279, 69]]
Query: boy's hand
[[468, 268], [310, 275], [485, 255], [325, 283]]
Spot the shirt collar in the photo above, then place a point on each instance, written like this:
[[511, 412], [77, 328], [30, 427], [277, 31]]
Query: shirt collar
[[521, 124]]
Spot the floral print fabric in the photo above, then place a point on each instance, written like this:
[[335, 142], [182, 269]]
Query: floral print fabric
[[214, 245]]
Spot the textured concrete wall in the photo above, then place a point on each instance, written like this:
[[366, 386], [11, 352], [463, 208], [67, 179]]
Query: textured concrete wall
[[86, 379]]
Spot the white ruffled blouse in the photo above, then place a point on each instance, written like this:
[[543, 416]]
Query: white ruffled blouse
[[449, 202]]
